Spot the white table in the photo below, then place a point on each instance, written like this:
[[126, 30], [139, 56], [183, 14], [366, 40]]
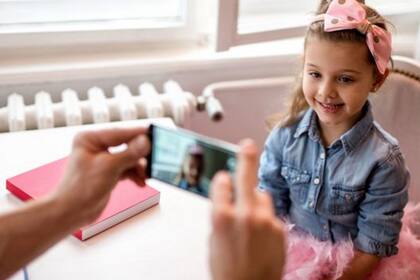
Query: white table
[[168, 241]]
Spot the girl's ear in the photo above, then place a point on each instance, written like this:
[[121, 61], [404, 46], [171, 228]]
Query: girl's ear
[[380, 79]]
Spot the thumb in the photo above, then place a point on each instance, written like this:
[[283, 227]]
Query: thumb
[[137, 148]]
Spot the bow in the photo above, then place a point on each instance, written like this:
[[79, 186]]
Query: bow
[[350, 14]]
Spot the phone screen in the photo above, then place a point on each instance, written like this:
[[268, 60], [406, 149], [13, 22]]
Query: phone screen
[[188, 160]]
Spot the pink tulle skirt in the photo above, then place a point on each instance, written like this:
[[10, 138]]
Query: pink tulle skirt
[[310, 259]]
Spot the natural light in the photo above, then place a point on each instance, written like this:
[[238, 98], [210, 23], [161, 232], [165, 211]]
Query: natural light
[[263, 15], [37, 11], [29, 15]]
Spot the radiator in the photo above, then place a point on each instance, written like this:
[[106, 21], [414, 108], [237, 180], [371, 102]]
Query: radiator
[[174, 102]]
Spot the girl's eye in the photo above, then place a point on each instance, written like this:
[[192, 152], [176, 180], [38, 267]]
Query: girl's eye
[[315, 75], [345, 79]]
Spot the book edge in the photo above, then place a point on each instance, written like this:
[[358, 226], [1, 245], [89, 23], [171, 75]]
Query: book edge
[[94, 229], [91, 230], [17, 191]]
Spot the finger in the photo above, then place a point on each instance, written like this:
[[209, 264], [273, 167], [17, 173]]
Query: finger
[[100, 140], [221, 190], [141, 168], [246, 172], [280, 228], [138, 173], [137, 148], [265, 203], [132, 175]]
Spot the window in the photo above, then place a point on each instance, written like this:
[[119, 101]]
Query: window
[[277, 14], [56, 11], [250, 21], [28, 24], [37, 12], [136, 20]]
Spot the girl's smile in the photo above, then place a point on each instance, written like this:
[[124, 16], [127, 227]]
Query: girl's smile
[[330, 108]]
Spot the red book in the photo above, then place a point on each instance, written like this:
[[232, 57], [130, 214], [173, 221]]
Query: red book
[[127, 199]]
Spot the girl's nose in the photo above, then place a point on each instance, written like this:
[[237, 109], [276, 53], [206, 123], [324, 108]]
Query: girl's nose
[[327, 90]]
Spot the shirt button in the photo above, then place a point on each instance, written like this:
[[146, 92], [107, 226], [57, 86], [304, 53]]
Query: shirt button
[[316, 181], [311, 204], [326, 227], [322, 156]]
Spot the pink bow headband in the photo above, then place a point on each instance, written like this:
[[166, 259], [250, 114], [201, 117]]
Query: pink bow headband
[[350, 14]]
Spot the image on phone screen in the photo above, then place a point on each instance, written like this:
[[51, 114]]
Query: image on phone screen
[[188, 160]]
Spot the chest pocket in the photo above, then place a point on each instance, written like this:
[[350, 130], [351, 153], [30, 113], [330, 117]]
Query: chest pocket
[[345, 200], [298, 181]]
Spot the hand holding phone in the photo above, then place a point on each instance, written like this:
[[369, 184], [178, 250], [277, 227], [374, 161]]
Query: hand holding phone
[[186, 159]]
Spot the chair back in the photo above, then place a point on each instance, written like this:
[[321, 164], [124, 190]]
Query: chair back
[[396, 107]]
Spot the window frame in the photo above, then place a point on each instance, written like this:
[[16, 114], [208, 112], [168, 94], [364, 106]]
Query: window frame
[[227, 29], [227, 35]]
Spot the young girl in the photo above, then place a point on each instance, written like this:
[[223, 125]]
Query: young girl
[[332, 171], [192, 169]]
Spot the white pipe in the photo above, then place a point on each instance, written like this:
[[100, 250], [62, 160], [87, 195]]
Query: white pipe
[[173, 103], [211, 104], [126, 106], [16, 112], [100, 111], [214, 108], [154, 108], [73, 112], [44, 111], [180, 106]]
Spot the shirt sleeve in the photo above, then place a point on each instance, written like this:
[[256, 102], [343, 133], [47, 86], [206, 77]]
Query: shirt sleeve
[[381, 211], [269, 173]]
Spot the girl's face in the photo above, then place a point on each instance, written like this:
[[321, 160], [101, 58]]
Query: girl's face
[[337, 79], [192, 169]]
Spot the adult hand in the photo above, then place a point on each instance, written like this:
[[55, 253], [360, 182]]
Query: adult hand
[[247, 241], [91, 173], [92, 170]]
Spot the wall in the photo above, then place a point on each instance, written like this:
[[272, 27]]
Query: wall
[[192, 75]]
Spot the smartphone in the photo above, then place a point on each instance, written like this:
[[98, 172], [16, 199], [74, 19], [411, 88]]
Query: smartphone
[[186, 159]]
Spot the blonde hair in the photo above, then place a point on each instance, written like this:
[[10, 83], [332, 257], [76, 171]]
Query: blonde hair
[[297, 104]]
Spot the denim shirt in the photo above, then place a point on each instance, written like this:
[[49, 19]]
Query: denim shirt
[[356, 188]]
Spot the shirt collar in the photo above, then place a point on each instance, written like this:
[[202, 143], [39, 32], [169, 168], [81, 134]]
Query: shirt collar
[[350, 139], [308, 124]]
